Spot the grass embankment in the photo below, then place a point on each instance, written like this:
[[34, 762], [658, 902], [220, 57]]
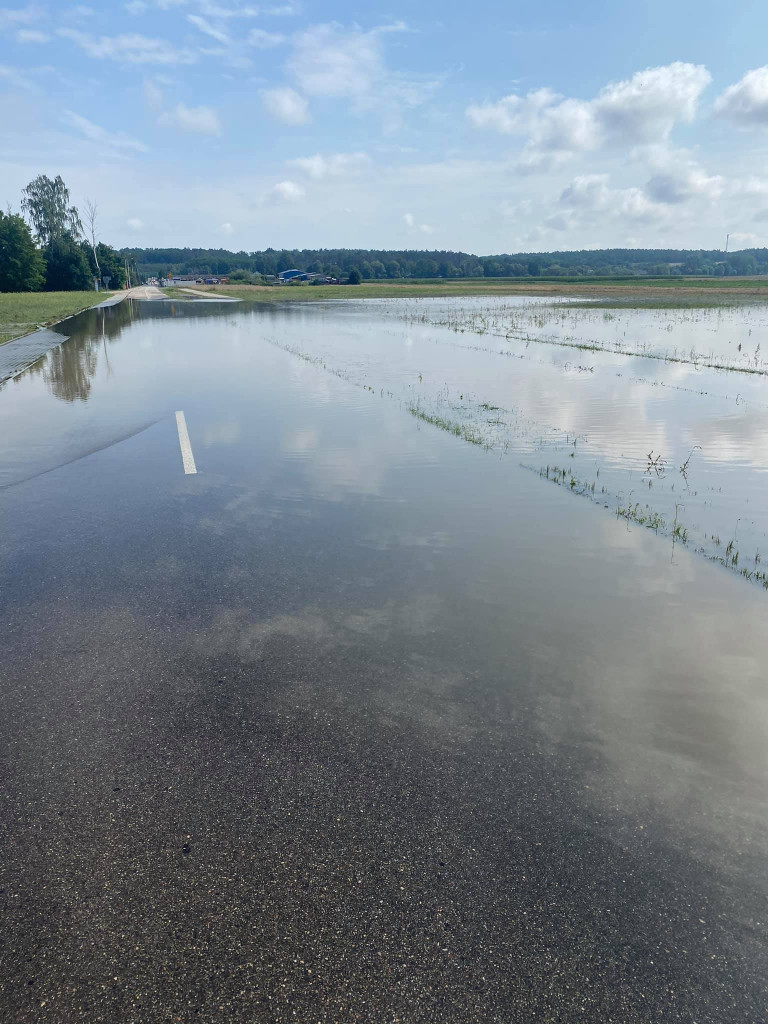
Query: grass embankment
[[23, 312], [607, 291]]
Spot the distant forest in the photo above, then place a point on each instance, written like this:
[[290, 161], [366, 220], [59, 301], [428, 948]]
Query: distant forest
[[392, 264]]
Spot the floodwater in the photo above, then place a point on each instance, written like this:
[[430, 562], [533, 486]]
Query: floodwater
[[658, 415], [363, 721]]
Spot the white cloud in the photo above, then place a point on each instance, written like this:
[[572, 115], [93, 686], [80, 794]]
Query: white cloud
[[645, 107], [135, 224], [20, 16], [747, 100], [264, 40], [675, 177], [136, 7], [208, 29], [329, 61], [285, 105], [31, 35], [590, 194], [288, 192], [16, 78], [95, 133], [195, 120], [410, 222], [745, 238], [153, 95], [131, 48], [334, 62], [682, 184], [227, 228], [335, 165], [639, 110]]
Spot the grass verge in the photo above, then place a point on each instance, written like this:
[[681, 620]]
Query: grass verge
[[23, 312]]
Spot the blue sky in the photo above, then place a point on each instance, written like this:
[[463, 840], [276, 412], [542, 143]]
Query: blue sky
[[486, 126]]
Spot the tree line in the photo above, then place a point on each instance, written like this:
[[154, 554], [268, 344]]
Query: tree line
[[378, 264], [51, 246], [52, 250]]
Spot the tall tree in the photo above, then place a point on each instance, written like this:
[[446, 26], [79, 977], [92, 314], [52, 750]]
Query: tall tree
[[91, 216], [46, 202], [67, 266], [22, 267]]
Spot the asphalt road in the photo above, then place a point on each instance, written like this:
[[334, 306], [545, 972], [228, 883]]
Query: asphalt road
[[354, 723]]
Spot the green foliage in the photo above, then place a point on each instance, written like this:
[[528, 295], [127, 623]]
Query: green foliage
[[355, 276], [66, 266], [110, 264], [22, 268], [244, 277], [447, 265], [46, 202]]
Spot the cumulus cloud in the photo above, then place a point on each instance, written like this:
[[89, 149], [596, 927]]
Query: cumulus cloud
[[639, 110], [287, 192], [747, 100], [676, 177], [135, 224], [590, 194], [94, 132], [195, 120], [285, 104], [131, 48], [336, 165], [227, 228], [678, 186], [137, 7]]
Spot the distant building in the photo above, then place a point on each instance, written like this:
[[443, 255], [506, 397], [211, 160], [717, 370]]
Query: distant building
[[288, 276]]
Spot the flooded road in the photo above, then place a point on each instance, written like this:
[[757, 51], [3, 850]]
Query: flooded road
[[361, 721]]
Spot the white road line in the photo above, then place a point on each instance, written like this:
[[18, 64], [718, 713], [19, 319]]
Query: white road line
[[186, 448]]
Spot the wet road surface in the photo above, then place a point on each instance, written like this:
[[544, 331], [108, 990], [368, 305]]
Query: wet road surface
[[358, 722]]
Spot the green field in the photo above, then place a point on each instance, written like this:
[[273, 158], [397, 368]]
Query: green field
[[661, 291], [23, 312]]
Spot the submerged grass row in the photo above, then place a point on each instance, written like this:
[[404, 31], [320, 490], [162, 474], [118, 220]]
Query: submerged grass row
[[527, 324], [465, 431]]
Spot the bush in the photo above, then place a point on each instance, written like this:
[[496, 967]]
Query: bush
[[355, 276]]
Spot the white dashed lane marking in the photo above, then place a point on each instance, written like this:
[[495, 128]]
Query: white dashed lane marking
[[186, 448]]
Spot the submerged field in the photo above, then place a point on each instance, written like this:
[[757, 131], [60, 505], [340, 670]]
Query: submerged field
[[22, 312], [657, 415], [664, 291]]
